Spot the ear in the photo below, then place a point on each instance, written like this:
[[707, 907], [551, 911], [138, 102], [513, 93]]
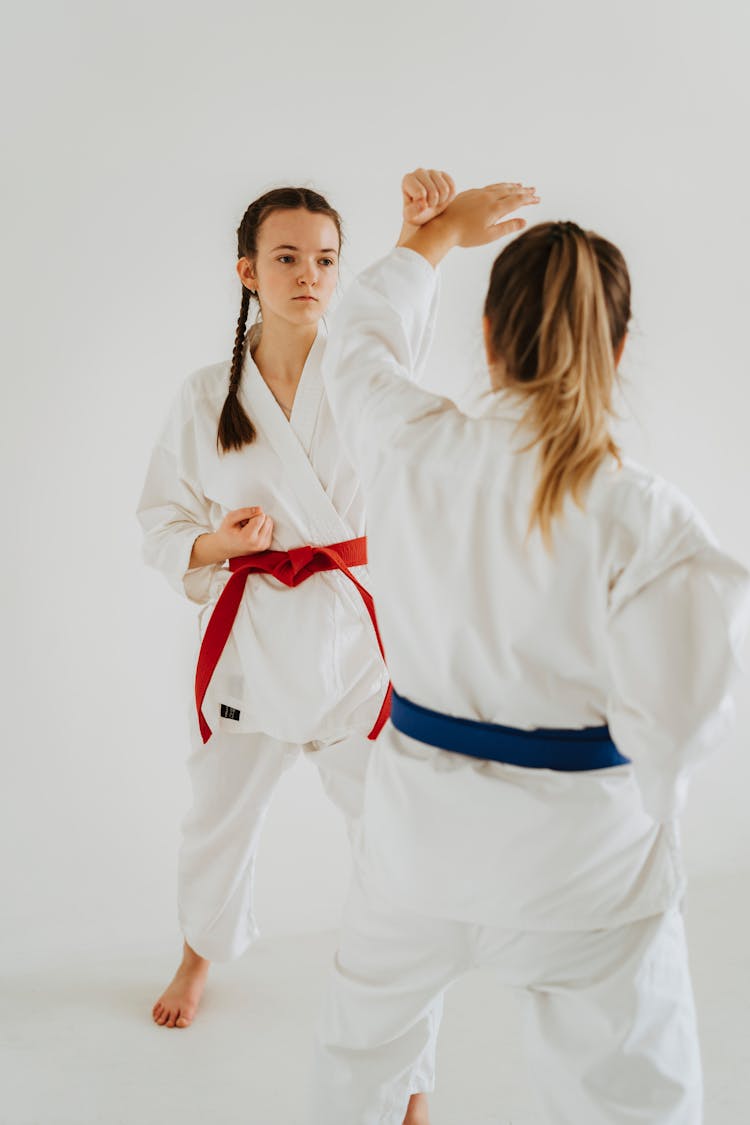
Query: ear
[[246, 274]]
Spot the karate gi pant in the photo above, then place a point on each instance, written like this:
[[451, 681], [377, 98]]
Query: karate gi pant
[[233, 779], [609, 1020]]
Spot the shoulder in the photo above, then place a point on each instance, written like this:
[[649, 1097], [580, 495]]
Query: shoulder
[[202, 392], [196, 404], [649, 524], [207, 382], [651, 502]]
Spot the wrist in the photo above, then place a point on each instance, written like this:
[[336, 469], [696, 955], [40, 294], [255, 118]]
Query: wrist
[[208, 549], [407, 230], [433, 241], [223, 547]]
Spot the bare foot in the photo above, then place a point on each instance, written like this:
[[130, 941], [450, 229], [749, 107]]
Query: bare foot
[[418, 1110], [179, 1002]]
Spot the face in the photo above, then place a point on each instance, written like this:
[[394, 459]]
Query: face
[[296, 268]]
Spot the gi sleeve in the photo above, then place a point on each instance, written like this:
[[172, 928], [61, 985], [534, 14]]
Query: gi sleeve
[[378, 343], [173, 510], [674, 641]]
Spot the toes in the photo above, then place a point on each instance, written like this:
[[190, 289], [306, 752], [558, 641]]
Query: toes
[[165, 1015]]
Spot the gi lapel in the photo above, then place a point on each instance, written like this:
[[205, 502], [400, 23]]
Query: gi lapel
[[309, 397], [292, 441]]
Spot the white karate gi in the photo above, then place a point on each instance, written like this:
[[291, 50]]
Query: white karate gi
[[568, 883], [302, 665]]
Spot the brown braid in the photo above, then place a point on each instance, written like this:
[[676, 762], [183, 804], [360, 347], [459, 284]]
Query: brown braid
[[235, 428]]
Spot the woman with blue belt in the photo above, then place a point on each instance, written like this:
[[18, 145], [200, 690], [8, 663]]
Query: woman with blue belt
[[561, 631]]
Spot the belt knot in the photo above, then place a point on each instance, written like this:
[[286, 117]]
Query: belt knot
[[293, 567]]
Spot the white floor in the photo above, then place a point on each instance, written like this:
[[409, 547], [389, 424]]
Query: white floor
[[78, 1046]]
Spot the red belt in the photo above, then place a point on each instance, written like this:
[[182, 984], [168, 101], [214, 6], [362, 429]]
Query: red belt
[[291, 568]]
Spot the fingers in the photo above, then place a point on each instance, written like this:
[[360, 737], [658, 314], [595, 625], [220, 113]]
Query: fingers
[[427, 188], [508, 188], [257, 534], [446, 189], [512, 192], [255, 525], [414, 211], [451, 185], [428, 192], [242, 515], [247, 531], [520, 197], [432, 186], [475, 215], [421, 188], [265, 534], [525, 197], [499, 230]]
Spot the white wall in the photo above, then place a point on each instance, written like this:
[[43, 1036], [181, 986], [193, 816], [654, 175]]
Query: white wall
[[137, 135]]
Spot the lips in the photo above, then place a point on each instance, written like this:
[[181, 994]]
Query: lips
[[304, 298]]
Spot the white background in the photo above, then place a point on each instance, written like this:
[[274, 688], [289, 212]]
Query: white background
[[135, 137]]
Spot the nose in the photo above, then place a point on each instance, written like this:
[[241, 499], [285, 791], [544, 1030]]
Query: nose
[[308, 274]]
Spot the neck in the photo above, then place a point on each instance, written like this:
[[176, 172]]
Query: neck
[[283, 350]]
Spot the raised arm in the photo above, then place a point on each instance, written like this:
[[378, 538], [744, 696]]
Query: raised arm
[[377, 337]]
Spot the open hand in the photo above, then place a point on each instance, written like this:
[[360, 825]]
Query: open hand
[[474, 217]]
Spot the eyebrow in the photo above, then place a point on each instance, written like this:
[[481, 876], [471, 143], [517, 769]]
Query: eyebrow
[[328, 250]]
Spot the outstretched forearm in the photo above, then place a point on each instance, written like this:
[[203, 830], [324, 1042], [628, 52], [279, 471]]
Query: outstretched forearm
[[433, 241]]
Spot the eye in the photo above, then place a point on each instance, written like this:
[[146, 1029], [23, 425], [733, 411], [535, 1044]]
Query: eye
[[285, 258], [327, 262]]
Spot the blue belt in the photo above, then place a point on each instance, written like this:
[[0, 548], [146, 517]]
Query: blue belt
[[591, 748]]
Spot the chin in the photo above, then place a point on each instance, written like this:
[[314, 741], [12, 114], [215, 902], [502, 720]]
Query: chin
[[309, 314]]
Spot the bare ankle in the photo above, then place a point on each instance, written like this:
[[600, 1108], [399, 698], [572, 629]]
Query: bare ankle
[[418, 1111], [192, 960]]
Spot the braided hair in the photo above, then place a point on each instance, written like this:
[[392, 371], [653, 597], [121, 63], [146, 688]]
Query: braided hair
[[235, 428]]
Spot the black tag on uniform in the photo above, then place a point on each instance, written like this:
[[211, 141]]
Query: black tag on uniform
[[229, 712]]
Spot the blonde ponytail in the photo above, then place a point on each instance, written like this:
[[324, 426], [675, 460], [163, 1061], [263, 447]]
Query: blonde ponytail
[[558, 307]]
